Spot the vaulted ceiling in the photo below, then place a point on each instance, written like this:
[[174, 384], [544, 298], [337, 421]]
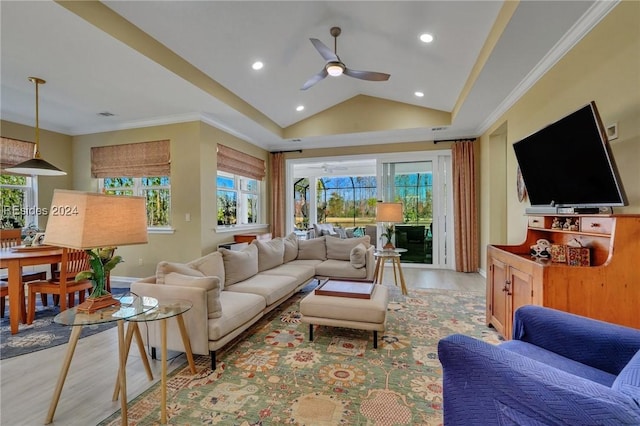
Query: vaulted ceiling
[[156, 62]]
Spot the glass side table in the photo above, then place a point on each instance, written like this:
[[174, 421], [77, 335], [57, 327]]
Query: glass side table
[[164, 310], [394, 256], [130, 306]]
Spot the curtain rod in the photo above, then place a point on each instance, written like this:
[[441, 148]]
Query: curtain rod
[[284, 152], [455, 140]]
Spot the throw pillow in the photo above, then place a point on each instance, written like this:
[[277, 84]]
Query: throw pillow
[[290, 247], [270, 253], [210, 265], [358, 256], [165, 268], [313, 249], [340, 249], [628, 381], [210, 284], [239, 265]]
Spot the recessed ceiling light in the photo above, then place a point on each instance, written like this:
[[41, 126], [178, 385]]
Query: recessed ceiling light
[[419, 94], [299, 108], [426, 38], [257, 65]]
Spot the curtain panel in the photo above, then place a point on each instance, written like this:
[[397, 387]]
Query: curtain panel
[[13, 151], [131, 160], [238, 163], [465, 210], [278, 195]]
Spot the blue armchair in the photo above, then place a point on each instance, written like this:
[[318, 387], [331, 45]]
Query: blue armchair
[[559, 369]]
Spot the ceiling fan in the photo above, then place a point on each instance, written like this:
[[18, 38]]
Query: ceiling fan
[[335, 67], [328, 168]]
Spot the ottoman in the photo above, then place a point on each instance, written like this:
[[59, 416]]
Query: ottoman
[[348, 312]]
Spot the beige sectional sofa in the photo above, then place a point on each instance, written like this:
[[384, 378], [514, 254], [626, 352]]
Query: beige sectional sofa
[[231, 290]]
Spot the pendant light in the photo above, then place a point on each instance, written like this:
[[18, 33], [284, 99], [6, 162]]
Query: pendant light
[[36, 166]]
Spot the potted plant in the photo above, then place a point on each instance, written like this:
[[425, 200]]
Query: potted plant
[[102, 261], [387, 235]]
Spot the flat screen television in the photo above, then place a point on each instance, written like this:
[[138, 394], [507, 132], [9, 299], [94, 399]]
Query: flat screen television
[[569, 163]]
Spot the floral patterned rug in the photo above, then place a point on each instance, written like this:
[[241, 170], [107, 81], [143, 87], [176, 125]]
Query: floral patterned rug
[[273, 375]]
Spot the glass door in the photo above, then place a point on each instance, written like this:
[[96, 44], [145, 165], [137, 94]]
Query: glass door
[[421, 187]]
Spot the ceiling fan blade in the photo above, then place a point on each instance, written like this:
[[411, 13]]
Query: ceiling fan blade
[[367, 75], [316, 78], [324, 51]]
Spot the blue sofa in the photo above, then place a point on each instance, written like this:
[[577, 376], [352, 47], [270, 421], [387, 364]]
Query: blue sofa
[[559, 369]]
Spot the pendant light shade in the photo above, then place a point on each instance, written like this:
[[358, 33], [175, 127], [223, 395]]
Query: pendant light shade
[[36, 166]]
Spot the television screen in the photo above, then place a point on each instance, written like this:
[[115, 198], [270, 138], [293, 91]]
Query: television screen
[[569, 164]]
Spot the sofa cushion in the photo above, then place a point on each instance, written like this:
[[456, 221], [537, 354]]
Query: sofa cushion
[[313, 249], [210, 284], [210, 265], [290, 247], [237, 310], [300, 272], [239, 265], [270, 253], [558, 361], [358, 256], [628, 381], [163, 268], [271, 287], [340, 269], [340, 249]]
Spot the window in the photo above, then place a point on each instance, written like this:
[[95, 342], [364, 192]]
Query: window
[[238, 199], [156, 190], [17, 196]]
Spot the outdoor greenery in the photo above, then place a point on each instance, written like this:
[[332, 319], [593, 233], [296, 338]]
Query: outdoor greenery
[[156, 191], [351, 201], [12, 198]]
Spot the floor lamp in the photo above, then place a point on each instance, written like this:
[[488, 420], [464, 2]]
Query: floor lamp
[[389, 213], [91, 221]]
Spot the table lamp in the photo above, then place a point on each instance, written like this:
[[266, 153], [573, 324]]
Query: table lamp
[[92, 222], [389, 213]]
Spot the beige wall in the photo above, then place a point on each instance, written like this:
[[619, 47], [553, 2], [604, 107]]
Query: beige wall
[[193, 189], [605, 67], [54, 148]]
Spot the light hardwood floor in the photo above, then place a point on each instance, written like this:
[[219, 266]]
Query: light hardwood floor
[[27, 382]]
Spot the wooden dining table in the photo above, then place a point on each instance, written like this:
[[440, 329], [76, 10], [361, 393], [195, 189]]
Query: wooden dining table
[[14, 259]]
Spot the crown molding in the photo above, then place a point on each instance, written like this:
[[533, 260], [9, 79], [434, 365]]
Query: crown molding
[[577, 32]]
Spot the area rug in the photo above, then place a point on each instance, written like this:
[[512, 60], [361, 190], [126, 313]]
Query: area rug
[[43, 333], [273, 375]]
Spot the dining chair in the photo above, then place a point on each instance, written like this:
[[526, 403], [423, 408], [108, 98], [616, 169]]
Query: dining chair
[[65, 286], [11, 238]]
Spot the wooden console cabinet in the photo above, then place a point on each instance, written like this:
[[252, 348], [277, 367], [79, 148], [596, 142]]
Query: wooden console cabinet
[[608, 289]]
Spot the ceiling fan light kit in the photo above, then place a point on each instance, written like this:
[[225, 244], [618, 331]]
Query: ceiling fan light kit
[[335, 67]]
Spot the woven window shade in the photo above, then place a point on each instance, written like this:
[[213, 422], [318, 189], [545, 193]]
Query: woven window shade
[[131, 160], [239, 163], [14, 152]]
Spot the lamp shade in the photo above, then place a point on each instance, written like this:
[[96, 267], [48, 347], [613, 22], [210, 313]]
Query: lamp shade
[[88, 220], [389, 212]]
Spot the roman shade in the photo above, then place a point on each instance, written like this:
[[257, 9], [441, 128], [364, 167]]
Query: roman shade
[[14, 152], [131, 160], [239, 163]]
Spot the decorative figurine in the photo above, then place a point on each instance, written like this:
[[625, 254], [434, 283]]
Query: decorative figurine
[[556, 223]]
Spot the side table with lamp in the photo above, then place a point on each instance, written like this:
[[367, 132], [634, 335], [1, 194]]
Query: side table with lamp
[[92, 221]]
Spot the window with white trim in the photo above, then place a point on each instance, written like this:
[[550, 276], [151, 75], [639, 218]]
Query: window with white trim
[[238, 200], [18, 195], [155, 189]]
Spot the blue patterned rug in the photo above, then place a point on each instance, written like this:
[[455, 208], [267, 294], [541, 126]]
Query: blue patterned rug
[[43, 333]]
